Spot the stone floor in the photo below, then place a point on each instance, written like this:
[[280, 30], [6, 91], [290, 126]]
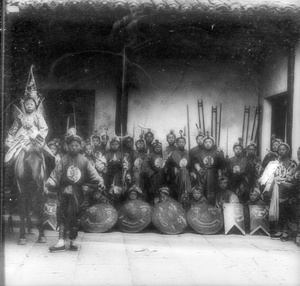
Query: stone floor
[[151, 258]]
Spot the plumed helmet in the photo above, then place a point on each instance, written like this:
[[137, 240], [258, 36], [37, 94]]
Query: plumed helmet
[[156, 143], [238, 143], [208, 137], [171, 134]]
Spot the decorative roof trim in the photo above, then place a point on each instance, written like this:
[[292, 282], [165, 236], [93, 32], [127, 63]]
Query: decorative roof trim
[[250, 6]]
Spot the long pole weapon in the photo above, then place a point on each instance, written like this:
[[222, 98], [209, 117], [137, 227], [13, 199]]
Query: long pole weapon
[[216, 123], [199, 114], [74, 114], [227, 143], [212, 121], [248, 112], [259, 108], [214, 116], [188, 126], [133, 132], [200, 104], [243, 130], [220, 120], [68, 123]]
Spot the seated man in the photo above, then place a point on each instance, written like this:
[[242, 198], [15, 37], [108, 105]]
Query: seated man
[[197, 197], [224, 195]]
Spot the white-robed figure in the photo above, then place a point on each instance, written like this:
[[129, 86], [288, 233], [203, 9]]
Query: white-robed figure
[[29, 128], [277, 185]]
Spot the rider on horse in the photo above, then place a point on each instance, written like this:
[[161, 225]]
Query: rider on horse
[[26, 145]]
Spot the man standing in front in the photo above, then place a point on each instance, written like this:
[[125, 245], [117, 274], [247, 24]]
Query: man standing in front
[[68, 177]]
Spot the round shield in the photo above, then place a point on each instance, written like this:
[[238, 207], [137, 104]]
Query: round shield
[[205, 219], [169, 217], [134, 216], [99, 218]]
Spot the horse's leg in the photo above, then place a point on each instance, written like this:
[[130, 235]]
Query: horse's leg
[[20, 178], [40, 203], [28, 208], [22, 239]]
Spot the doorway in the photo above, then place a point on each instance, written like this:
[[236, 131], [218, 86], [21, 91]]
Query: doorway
[[279, 116], [71, 108]]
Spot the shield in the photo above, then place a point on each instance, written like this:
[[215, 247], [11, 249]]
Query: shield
[[234, 218], [169, 217], [259, 219], [134, 216], [99, 218], [205, 219], [50, 207]]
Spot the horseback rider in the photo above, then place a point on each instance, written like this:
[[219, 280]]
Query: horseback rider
[[25, 156]]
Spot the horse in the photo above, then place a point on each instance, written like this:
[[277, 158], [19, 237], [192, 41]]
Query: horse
[[30, 175]]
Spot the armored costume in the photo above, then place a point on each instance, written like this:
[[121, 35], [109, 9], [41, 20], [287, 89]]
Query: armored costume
[[236, 173], [206, 165], [154, 171], [178, 164], [69, 176]]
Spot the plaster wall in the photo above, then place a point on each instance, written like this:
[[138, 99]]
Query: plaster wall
[[163, 90]]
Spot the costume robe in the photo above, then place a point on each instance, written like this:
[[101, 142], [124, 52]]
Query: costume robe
[[68, 176], [178, 162], [154, 174], [210, 162], [237, 176]]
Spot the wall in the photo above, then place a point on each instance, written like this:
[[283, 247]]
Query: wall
[[296, 103], [164, 88], [161, 90]]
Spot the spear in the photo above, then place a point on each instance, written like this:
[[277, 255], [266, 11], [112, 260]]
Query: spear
[[74, 114], [199, 114], [227, 142], [188, 126], [68, 123], [220, 120], [133, 131]]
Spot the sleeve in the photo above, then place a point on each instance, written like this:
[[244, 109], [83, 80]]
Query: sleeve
[[12, 132], [233, 199], [221, 163], [55, 176], [266, 161], [42, 126], [290, 173], [147, 169], [15, 127], [93, 174]]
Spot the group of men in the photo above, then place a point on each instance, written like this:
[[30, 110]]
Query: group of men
[[108, 168], [148, 168]]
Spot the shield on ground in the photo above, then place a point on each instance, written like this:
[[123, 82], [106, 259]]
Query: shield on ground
[[169, 217], [234, 218], [205, 219], [50, 206], [134, 216], [99, 218]]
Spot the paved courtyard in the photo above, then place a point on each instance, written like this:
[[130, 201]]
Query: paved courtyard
[[151, 258]]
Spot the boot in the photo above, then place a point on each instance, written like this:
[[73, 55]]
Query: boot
[[73, 245], [42, 237], [60, 246]]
